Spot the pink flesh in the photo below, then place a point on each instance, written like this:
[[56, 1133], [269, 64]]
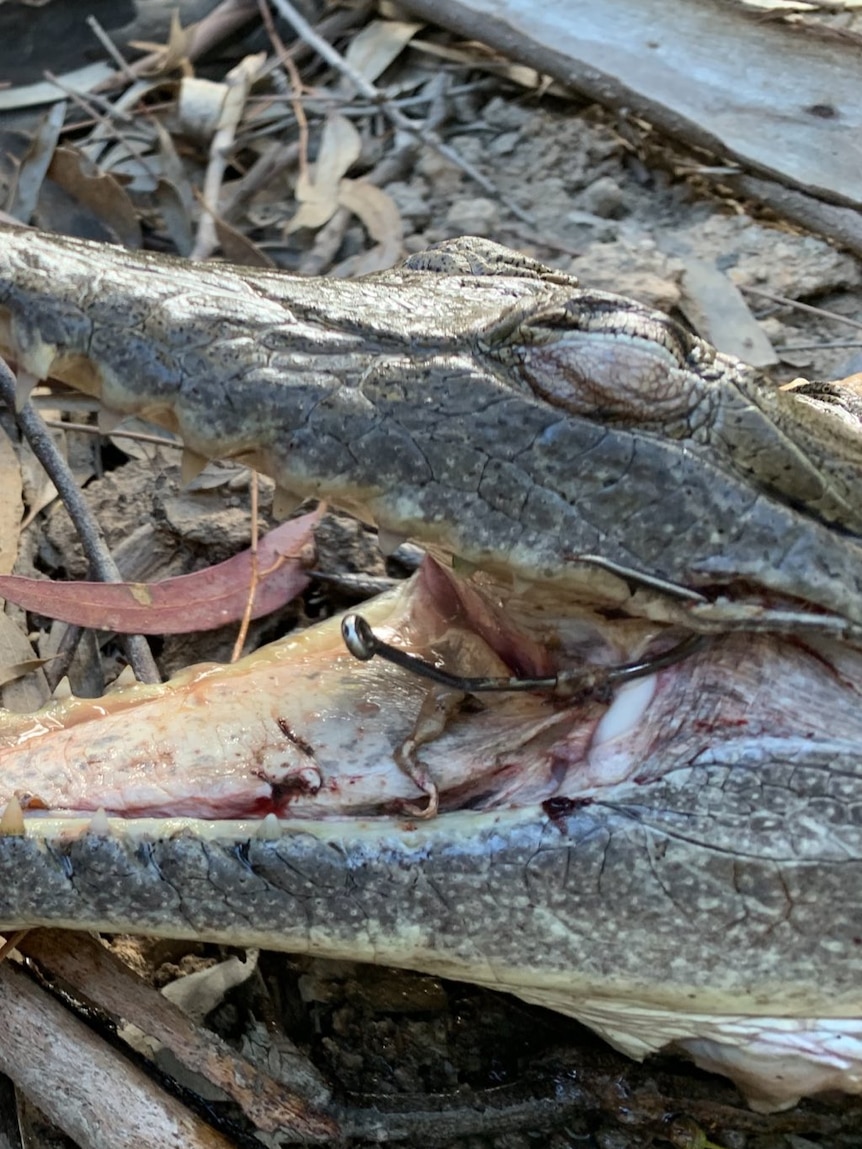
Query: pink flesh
[[301, 726]]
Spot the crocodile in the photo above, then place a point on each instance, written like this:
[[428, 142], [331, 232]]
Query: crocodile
[[672, 856]]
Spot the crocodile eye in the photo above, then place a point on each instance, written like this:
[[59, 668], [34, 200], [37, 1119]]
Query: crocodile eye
[[615, 377]]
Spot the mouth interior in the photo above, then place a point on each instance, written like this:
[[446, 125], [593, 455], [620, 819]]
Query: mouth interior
[[301, 729]]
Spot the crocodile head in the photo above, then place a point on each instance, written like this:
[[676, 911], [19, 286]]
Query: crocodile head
[[675, 861]]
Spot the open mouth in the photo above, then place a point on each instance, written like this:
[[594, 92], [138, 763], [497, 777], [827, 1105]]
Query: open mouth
[[301, 729]]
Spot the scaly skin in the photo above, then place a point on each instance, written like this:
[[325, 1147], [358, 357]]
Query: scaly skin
[[494, 411], [416, 397]]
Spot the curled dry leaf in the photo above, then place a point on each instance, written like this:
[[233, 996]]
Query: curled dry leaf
[[100, 195], [382, 220], [377, 45], [31, 171], [202, 601], [200, 107], [317, 190]]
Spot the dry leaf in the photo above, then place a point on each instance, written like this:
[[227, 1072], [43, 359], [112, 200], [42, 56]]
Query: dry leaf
[[80, 80], [317, 191], [34, 166], [175, 214], [377, 45], [202, 601], [98, 193], [19, 694], [382, 220], [238, 84], [480, 56], [171, 56], [15, 670], [39, 491], [199, 107], [717, 311], [238, 248]]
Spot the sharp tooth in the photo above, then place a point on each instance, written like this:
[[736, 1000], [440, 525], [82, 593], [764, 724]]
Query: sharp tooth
[[37, 358], [125, 678], [191, 466], [108, 421], [12, 820], [284, 502], [63, 689], [625, 712], [269, 829], [99, 825], [25, 381], [389, 541]]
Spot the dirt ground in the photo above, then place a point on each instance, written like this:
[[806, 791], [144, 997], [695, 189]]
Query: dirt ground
[[625, 211]]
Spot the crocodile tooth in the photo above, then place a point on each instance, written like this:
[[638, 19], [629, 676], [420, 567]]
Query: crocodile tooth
[[191, 466], [108, 421], [389, 541], [269, 829], [125, 678], [62, 690], [284, 502], [12, 820], [99, 825], [25, 381], [36, 358]]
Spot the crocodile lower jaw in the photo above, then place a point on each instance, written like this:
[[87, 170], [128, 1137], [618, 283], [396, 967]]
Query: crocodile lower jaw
[[301, 729], [301, 742]]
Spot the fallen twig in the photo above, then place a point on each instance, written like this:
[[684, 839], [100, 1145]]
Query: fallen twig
[[86, 1088], [99, 978], [238, 83], [798, 305], [92, 540]]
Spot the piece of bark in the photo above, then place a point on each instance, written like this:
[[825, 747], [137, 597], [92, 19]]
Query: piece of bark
[[843, 225], [781, 99], [96, 976], [95, 1096]]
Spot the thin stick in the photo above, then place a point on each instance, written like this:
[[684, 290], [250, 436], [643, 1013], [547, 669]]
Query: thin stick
[[237, 84], [58, 667], [809, 308], [90, 533], [137, 436], [111, 48], [335, 60], [255, 575], [295, 84]]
